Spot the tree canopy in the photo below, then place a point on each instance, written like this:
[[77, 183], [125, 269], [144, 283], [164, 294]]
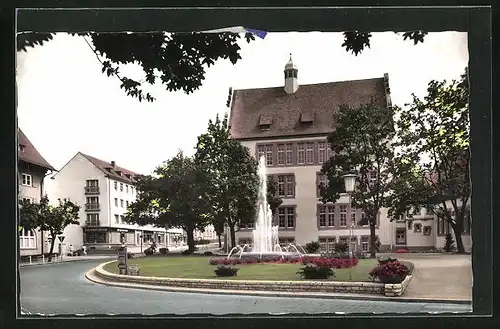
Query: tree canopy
[[47, 217], [175, 60], [172, 198], [362, 143], [431, 168]]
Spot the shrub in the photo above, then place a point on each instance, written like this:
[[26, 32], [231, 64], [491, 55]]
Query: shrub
[[401, 251], [226, 271], [312, 247], [390, 272], [130, 255], [341, 247], [163, 251], [208, 253], [148, 251], [187, 252], [310, 271], [377, 245], [382, 261], [330, 262], [449, 244]]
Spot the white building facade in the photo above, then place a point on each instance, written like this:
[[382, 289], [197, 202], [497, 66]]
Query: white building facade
[[289, 125], [104, 191]]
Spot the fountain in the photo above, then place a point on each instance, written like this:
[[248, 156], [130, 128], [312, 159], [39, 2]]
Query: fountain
[[265, 234]]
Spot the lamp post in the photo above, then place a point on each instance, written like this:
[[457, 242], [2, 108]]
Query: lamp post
[[140, 237], [350, 183]]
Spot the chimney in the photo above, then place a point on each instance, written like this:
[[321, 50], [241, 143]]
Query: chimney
[[113, 164]]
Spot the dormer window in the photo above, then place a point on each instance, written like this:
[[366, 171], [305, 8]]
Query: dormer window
[[119, 172], [265, 123], [21, 147], [306, 118]]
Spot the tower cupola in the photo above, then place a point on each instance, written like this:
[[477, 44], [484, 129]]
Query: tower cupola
[[291, 80]]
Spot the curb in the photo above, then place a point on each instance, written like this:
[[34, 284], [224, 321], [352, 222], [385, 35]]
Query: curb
[[93, 277]]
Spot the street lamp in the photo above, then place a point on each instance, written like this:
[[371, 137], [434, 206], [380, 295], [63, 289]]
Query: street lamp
[[140, 237], [350, 184]]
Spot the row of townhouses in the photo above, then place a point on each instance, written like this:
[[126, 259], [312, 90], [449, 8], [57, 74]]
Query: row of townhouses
[[289, 125]]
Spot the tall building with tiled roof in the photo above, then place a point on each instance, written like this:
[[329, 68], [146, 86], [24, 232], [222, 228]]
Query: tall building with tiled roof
[[288, 125], [32, 168], [103, 190]]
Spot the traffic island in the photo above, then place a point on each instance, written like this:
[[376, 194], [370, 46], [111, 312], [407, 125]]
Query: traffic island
[[200, 285]]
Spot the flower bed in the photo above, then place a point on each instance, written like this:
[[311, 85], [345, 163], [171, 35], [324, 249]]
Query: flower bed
[[318, 261], [392, 271]]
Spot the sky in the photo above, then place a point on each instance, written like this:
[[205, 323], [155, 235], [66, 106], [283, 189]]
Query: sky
[[67, 105]]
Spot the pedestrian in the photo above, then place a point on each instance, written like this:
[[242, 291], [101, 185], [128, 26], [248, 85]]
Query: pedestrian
[[71, 250], [84, 250]]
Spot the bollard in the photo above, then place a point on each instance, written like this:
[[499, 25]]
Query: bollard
[[30, 259], [43, 259]]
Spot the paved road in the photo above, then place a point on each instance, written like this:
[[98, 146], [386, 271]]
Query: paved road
[[63, 289]]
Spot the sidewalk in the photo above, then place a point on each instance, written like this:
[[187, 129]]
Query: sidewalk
[[57, 260]]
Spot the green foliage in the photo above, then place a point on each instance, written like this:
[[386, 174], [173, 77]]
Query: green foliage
[[272, 196], [172, 197], [312, 272], [362, 142], [449, 244], [312, 247], [357, 41], [341, 247], [176, 60], [231, 174], [226, 271], [47, 217], [431, 168]]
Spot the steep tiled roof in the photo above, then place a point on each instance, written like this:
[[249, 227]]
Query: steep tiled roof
[[316, 101], [28, 153], [112, 171]]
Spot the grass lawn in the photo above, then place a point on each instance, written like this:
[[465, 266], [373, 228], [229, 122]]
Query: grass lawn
[[197, 267]]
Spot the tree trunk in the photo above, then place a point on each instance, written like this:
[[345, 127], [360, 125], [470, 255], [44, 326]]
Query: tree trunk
[[190, 239], [373, 240], [220, 240], [233, 235], [52, 243], [458, 240]]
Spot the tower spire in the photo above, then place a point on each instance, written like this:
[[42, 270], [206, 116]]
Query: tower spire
[[291, 74]]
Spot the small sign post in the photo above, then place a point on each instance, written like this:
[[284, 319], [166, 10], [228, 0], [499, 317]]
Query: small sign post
[[122, 260]]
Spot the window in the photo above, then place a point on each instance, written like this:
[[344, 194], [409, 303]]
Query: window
[[116, 202], [290, 186], [126, 202], [326, 215], [301, 153], [121, 218], [94, 237], [28, 199], [121, 187], [286, 217], [417, 211], [27, 239], [310, 153], [343, 216], [26, 180], [116, 186], [281, 186], [93, 200], [372, 178], [21, 148], [281, 154], [410, 225], [92, 220], [322, 181], [289, 154], [417, 228], [427, 230], [353, 218], [343, 240], [365, 243], [261, 151], [400, 236], [117, 219], [428, 211], [327, 244], [121, 203], [247, 226], [92, 182], [131, 190], [321, 152], [244, 241], [269, 155], [126, 188]]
